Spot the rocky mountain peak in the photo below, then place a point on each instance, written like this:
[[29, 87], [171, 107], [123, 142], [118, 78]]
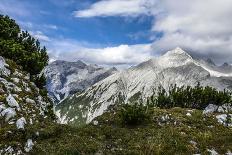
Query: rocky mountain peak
[[139, 82], [210, 61], [81, 63], [65, 78], [176, 52], [226, 65]]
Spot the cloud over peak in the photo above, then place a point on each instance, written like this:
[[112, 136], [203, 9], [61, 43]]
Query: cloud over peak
[[202, 27], [117, 8]]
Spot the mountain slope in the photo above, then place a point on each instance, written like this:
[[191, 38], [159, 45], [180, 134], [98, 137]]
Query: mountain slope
[[138, 83], [65, 78], [23, 108]]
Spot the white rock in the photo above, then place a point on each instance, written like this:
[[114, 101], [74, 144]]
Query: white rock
[[188, 114], [30, 101], [15, 80], [9, 150], [27, 77], [31, 122], [37, 133], [210, 109], [95, 122], [193, 142], [16, 73], [8, 113], [17, 89], [229, 153], [15, 95], [165, 118], [2, 107], [12, 102], [20, 123], [225, 108], [11, 122], [29, 145], [222, 119], [19, 152], [212, 152], [221, 109], [27, 89], [3, 69]]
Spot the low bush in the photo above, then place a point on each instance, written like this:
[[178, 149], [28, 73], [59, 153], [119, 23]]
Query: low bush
[[134, 114], [197, 97]]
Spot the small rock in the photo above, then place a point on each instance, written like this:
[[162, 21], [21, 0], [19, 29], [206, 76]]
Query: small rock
[[12, 102], [30, 101], [15, 80], [37, 133], [193, 142], [31, 122], [20, 123], [11, 122], [225, 108], [2, 107], [220, 109], [9, 150], [95, 122], [212, 152], [27, 77], [8, 113], [225, 119], [29, 145], [229, 153], [210, 109], [188, 114]]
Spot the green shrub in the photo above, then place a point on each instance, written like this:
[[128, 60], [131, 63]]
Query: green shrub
[[21, 47], [197, 97], [40, 81], [134, 114]]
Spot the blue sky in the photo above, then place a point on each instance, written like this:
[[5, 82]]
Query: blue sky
[[108, 31], [125, 32]]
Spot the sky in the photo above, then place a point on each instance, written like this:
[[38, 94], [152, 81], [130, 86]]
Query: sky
[[122, 33]]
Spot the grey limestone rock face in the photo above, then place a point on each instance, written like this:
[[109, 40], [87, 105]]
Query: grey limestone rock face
[[140, 82], [66, 78]]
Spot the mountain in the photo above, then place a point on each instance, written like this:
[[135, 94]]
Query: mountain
[[214, 70], [24, 108], [65, 78], [139, 82]]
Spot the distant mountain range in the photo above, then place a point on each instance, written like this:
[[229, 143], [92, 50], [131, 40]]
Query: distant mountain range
[[140, 82], [66, 78]]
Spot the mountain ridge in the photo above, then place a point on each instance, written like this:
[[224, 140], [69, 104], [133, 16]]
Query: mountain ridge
[[65, 78], [138, 83]]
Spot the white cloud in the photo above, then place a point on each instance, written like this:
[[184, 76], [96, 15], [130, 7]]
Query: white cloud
[[117, 8], [40, 35], [50, 26], [203, 27], [17, 9], [71, 50]]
